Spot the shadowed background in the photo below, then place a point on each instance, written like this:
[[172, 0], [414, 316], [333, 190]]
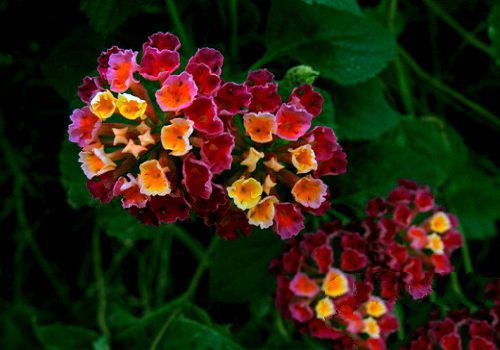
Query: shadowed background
[[425, 109]]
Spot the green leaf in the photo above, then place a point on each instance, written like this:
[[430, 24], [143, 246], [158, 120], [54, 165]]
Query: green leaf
[[177, 326], [71, 60], [494, 31], [117, 222], [341, 5], [247, 275], [72, 177], [64, 337], [327, 116], [363, 112], [424, 150], [474, 197], [346, 48], [185, 333], [105, 16]]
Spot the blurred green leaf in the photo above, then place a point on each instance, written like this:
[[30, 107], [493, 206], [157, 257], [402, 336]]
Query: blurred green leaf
[[342, 5], [64, 337], [185, 333], [421, 150], [346, 48], [363, 112], [475, 198], [118, 223], [247, 273], [70, 60], [494, 31], [327, 116], [72, 177], [181, 326], [105, 16]]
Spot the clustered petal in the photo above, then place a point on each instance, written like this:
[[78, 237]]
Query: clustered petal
[[342, 282], [480, 330], [325, 300], [171, 140]]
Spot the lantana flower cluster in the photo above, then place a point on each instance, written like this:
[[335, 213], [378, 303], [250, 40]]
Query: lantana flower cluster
[[462, 330], [170, 141], [341, 282], [410, 239], [325, 297]]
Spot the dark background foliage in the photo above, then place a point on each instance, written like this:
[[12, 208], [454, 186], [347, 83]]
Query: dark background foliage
[[412, 90]]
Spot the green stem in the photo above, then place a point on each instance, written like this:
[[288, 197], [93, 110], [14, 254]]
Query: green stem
[[179, 26], [469, 268], [190, 291], [402, 78], [400, 315], [469, 37], [26, 233], [202, 266], [163, 268], [143, 289], [233, 11], [455, 285], [261, 61], [481, 114], [101, 285], [118, 258], [163, 329], [186, 239]]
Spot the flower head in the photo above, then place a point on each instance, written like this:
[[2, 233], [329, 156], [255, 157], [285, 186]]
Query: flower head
[[171, 140]]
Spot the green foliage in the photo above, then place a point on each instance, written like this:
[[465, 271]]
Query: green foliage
[[120, 224], [342, 5], [64, 337], [69, 61], [72, 177], [341, 46], [246, 275], [105, 16], [144, 281], [175, 326], [363, 112], [494, 31], [417, 149], [473, 197]]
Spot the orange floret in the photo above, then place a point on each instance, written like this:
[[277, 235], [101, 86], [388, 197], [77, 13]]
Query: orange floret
[[435, 243], [325, 308], [440, 222], [245, 193], [120, 136], [273, 164], [371, 327], [130, 106], [95, 162], [310, 192], [103, 104], [175, 137], [335, 283], [375, 307], [268, 185], [260, 126], [262, 214], [134, 149], [252, 158], [303, 159], [152, 179]]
